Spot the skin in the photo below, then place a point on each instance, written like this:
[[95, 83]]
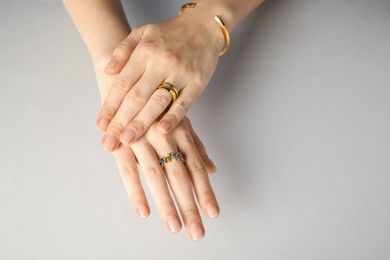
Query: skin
[[182, 179], [129, 64], [95, 20], [182, 51]]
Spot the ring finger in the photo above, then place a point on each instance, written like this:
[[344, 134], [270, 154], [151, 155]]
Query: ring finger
[[181, 186], [156, 181]]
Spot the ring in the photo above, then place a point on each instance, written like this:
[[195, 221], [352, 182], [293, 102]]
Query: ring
[[171, 89], [170, 157]]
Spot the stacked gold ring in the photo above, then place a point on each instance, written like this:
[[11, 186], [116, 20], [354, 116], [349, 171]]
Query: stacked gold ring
[[171, 89]]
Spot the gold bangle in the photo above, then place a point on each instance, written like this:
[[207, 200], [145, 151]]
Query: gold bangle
[[221, 25], [225, 33], [184, 7]]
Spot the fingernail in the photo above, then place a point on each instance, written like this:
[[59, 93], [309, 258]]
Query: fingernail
[[165, 125], [103, 123], [127, 136], [196, 231], [212, 210], [143, 211], [109, 142], [111, 64], [173, 223], [211, 163]]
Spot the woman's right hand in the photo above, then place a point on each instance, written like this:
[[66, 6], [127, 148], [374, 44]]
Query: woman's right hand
[[182, 51]]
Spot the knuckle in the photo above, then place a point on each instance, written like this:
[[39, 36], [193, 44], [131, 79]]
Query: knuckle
[[146, 48], [179, 177], [137, 96], [173, 119], [153, 173], [116, 127], [199, 80], [109, 111], [169, 57], [198, 143], [135, 195], [138, 125], [128, 171], [122, 48], [122, 84], [160, 101], [183, 104], [191, 213], [208, 196], [166, 206], [197, 168]]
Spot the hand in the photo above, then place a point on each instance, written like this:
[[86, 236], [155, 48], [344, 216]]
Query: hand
[[182, 179], [182, 51]]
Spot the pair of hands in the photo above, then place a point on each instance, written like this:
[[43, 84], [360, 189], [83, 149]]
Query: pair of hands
[[149, 55]]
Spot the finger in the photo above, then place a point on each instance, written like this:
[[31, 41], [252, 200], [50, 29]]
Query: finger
[[122, 52], [198, 174], [133, 102], [210, 166], [177, 111], [128, 171], [118, 90], [181, 187], [156, 181], [157, 103]]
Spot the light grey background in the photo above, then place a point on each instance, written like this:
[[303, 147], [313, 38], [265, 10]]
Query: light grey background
[[296, 118]]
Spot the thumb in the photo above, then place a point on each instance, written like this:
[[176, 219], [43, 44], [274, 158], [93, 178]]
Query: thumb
[[122, 52]]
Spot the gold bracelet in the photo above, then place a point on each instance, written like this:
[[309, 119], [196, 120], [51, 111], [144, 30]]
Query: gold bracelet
[[221, 25], [184, 7]]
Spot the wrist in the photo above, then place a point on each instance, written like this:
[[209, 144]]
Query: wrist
[[232, 12], [204, 21], [218, 8]]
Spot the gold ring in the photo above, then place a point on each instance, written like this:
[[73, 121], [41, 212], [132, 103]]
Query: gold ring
[[171, 89]]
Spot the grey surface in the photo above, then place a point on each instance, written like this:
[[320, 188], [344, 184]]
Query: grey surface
[[296, 118]]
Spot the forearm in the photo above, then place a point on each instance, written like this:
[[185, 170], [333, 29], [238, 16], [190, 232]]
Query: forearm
[[102, 25], [232, 12]]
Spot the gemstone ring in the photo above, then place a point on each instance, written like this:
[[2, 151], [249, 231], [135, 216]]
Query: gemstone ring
[[170, 157]]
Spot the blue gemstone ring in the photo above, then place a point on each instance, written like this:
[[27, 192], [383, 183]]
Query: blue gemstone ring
[[170, 157]]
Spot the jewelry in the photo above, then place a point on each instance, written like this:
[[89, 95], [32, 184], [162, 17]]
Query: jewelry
[[171, 89], [184, 7], [170, 157], [221, 25], [225, 33]]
